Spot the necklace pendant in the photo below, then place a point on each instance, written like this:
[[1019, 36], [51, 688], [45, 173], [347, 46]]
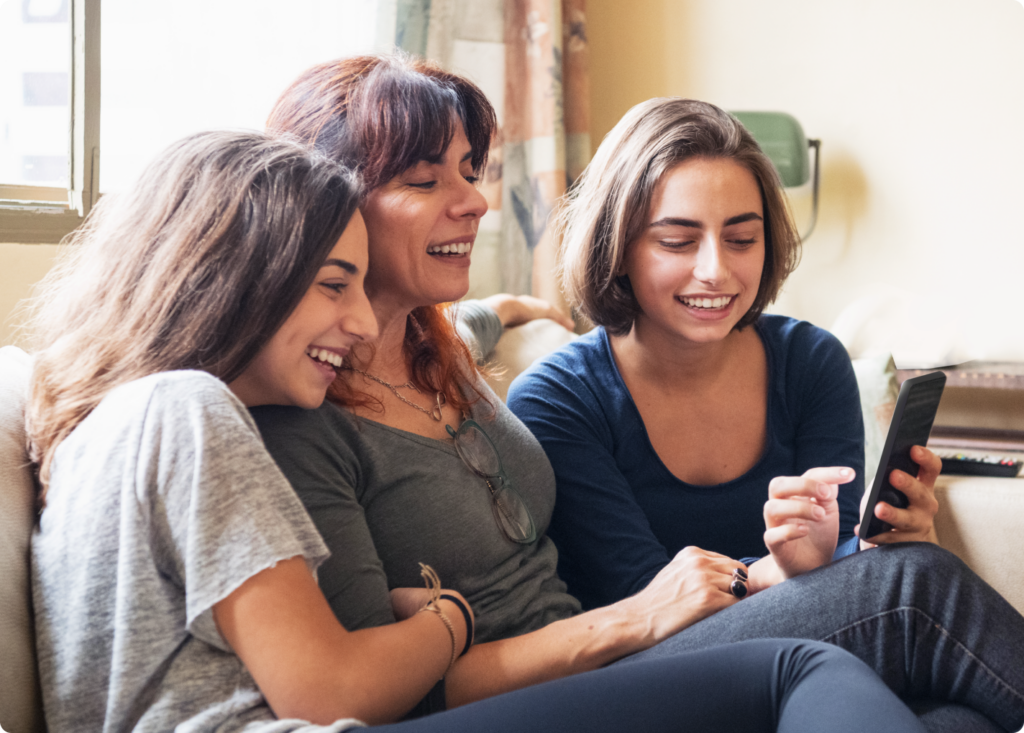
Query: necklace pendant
[[436, 413]]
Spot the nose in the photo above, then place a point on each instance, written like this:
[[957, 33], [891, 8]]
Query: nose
[[711, 267], [468, 202], [357, 318]]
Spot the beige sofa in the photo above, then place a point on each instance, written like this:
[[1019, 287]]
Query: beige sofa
[[980, 519], [19, 691]]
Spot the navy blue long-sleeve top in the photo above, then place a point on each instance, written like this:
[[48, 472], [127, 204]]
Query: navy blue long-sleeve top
[[620, 515]]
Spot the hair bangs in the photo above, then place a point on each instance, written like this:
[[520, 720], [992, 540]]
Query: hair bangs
[[406, 117]]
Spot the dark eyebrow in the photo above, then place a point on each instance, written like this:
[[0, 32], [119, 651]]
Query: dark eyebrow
[[751, 216], [346, 266], [671, 221], [436, 159]]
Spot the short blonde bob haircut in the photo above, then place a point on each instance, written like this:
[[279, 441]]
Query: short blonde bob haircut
[[609, 206]]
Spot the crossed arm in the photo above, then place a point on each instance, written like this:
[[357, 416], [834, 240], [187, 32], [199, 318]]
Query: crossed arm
[[309, 667]]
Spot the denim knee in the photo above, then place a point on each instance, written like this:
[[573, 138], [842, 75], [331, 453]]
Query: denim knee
[[916, 558]]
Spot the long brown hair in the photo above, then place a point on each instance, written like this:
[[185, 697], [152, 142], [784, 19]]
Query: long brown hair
[[381, 115], [608, 207], [195, 267]]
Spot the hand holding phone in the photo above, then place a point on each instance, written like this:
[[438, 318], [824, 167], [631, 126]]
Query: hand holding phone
[[911, 424]]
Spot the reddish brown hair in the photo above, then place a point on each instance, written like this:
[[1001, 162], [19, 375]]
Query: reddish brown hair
[[381, 115]]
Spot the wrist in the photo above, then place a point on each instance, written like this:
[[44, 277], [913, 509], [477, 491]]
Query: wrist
[[461, 608], [764, 574], [434, 608], [605, 634], [637, 622]]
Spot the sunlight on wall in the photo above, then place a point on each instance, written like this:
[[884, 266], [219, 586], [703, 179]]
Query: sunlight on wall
[[23, 264], [920, 108]]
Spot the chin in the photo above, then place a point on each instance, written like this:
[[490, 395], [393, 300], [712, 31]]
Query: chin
[[309, 400], [450, 294]]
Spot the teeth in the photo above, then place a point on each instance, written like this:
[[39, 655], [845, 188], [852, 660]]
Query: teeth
[[444, 249], [720, 302], [325, 356]]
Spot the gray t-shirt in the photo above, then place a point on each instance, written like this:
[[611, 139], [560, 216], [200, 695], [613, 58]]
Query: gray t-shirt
[[385, 499], [161, 503]]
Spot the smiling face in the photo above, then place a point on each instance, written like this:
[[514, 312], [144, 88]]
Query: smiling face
[[696, 267], [422, 225], [301, 360]]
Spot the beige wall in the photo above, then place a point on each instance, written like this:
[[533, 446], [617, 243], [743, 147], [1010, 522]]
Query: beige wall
[[21, 265], [920, 108]]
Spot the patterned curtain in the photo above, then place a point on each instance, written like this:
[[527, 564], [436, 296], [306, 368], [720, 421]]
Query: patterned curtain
[[531, 59]]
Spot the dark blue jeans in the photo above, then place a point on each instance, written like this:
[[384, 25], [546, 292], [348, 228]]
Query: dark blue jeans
[[914, 613], [752, 687]]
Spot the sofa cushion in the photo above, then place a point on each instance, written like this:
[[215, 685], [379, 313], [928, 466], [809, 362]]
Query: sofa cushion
[[19, 687], [519, 347], [979, 521]]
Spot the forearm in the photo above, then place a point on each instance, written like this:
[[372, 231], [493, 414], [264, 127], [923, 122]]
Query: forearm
[[377, 675], [578, 644], [309, 667]]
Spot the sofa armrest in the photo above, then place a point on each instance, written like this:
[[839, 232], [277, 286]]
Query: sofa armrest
[[19, 695], [980, 520], [519, 347]]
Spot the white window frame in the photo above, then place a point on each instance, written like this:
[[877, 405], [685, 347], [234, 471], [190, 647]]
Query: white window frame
[[43, 214]]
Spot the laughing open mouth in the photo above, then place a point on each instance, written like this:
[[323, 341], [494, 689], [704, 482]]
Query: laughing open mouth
[[326, 357], [707, 303], [452, 250]]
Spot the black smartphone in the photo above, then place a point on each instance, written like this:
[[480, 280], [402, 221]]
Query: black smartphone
[[911, 424]]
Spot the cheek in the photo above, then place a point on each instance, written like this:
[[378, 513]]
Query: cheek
[[385, 227], [655, 288], [386, 256], [752, 267], [660, 274]]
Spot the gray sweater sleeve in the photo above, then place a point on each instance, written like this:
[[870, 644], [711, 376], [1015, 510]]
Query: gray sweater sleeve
[[479, 326]]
